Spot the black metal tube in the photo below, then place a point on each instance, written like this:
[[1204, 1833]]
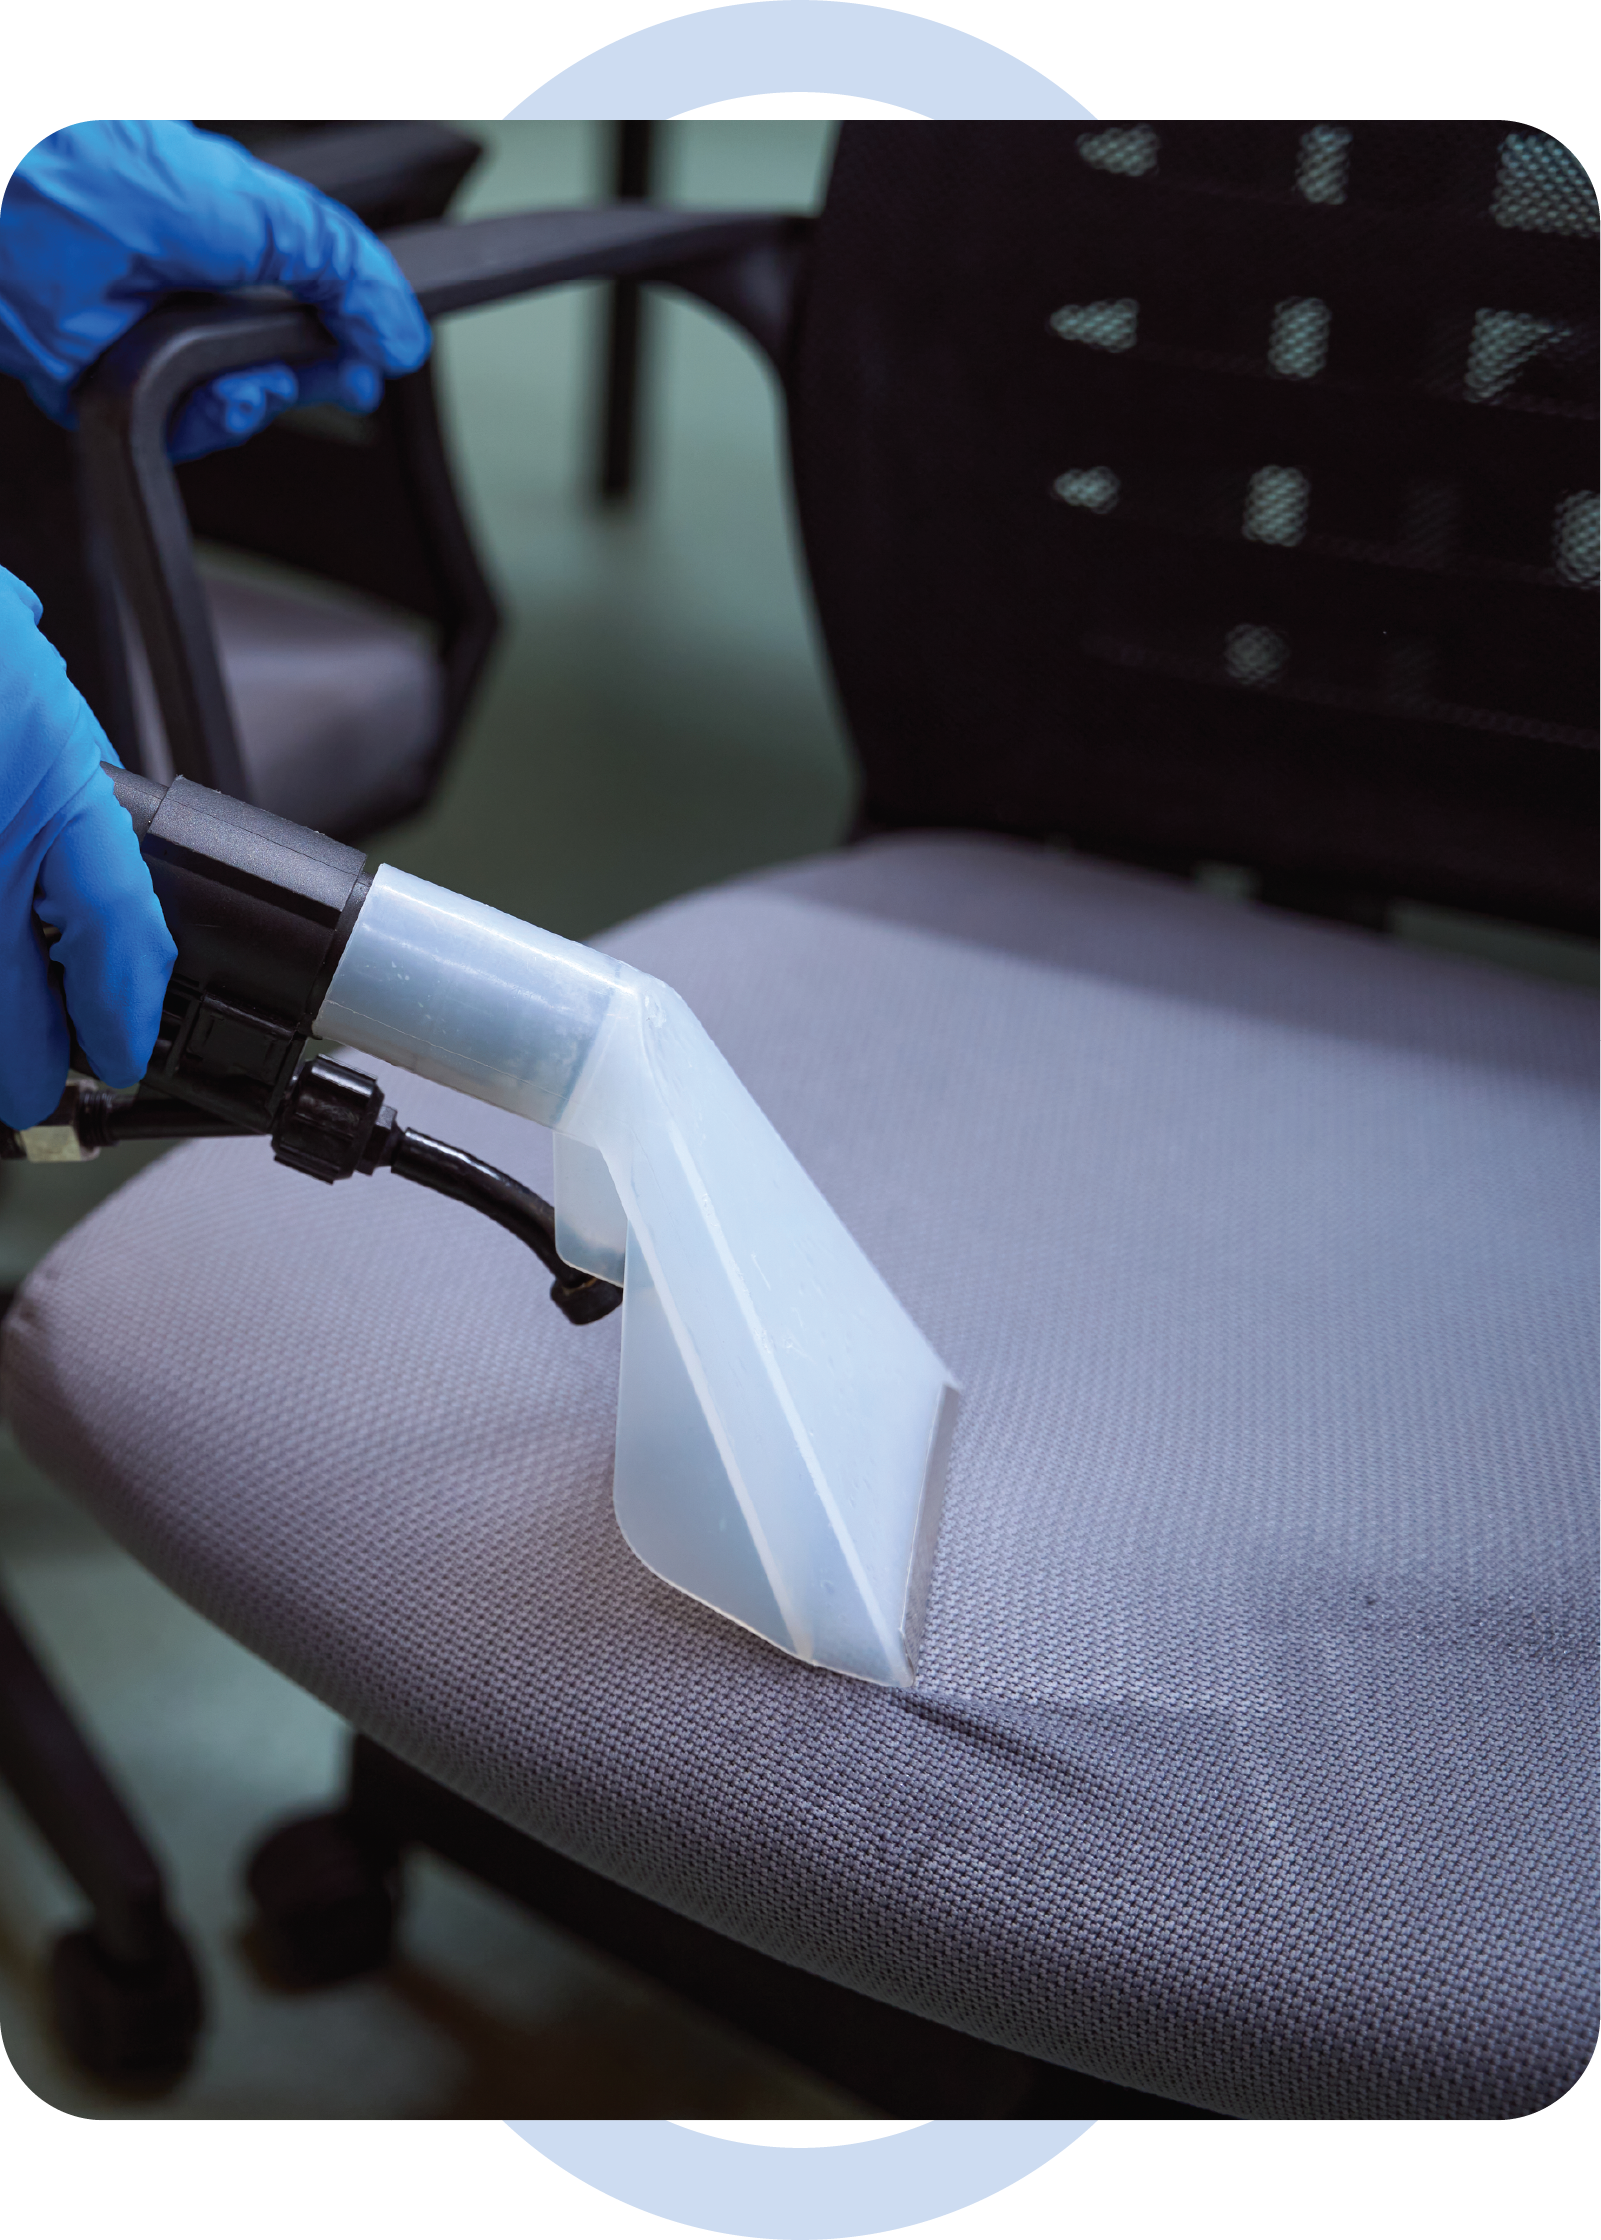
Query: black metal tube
[[102, 1119]]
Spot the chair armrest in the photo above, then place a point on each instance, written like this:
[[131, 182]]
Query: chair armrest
[[389, 174], [746, 265], [454, 266]]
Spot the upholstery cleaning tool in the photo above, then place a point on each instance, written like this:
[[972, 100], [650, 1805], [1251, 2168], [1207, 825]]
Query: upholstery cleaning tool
[[781, 1423]]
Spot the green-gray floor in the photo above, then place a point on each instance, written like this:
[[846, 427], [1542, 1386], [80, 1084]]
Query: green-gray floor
[[655, 718]]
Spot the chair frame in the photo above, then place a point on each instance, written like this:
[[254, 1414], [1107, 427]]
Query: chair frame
[[136, 498], [385, 506]]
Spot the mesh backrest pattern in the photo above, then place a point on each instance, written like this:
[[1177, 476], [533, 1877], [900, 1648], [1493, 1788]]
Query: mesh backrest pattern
[[1216, 491]]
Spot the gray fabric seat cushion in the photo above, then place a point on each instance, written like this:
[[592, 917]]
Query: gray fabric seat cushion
[[336, 701], [1251, 1755]]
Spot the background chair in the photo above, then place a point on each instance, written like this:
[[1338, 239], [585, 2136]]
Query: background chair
[[344, 670], [1245, 1762]]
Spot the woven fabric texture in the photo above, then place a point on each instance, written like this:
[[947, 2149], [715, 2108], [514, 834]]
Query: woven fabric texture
[[1251, 1757]]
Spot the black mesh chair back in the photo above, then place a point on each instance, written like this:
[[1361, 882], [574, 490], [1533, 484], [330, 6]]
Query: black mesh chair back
[[1216, 492]]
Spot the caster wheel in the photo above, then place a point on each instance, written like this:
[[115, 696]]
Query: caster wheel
[[326, 1897], [129, 2024]]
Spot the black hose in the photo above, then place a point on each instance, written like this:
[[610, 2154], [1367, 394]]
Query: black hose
[[473, 1182], [102, 1118]]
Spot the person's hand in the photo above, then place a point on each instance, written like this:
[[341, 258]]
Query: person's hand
[[68, 856], [102, 219]]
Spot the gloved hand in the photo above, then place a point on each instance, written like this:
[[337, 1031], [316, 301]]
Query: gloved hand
[[101, 219], [67, 853]]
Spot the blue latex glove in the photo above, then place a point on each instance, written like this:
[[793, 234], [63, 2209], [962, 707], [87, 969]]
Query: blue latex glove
[[67, 854], [100, 220]]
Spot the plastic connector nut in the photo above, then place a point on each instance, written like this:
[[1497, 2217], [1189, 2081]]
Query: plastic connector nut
[[332, 1123]]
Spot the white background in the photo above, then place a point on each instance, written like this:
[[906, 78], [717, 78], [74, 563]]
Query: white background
[[1528, 61]]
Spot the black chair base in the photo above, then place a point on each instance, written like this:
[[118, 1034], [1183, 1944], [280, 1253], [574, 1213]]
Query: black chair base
[[135, 2026], [326, 1890], [124, 1991], [326, 1899]]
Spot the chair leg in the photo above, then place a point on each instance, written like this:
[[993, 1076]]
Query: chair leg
[[126, 1995], [633, 148]]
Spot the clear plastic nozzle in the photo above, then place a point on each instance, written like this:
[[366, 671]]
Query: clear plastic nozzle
[[782, 1422]]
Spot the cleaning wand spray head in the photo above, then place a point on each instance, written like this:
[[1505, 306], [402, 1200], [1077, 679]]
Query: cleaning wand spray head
[[782, 1423]]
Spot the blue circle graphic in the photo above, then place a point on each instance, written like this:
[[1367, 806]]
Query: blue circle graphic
[[799, 46], [690, 62], [799, 2193]]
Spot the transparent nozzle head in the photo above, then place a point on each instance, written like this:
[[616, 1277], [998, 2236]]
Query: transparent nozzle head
[[782, 1423]]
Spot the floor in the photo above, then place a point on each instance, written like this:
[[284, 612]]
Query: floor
[[655, 718]]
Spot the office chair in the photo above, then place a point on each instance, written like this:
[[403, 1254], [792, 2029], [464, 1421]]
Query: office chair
[[1173, 497], [339, 682]]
